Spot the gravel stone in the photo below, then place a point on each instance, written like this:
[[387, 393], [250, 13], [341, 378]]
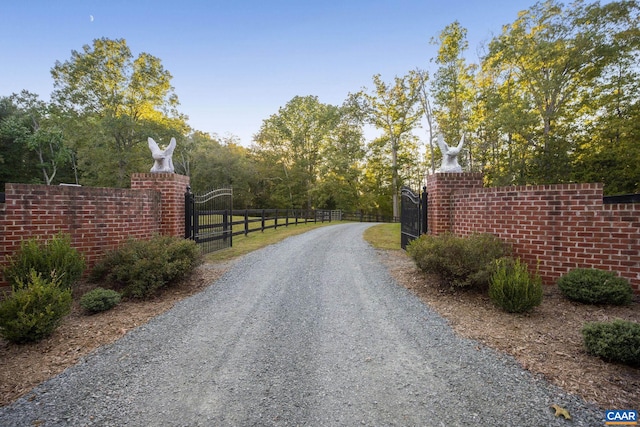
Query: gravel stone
[[310, 331]]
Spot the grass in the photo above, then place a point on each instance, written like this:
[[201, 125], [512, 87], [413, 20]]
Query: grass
[[253, 241], [268, 222], [254, 224], [382, 236]]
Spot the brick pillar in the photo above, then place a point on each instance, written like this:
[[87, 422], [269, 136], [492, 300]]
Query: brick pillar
[[171, 187], [440, 187]]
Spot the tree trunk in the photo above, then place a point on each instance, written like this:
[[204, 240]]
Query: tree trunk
[[394, 180]]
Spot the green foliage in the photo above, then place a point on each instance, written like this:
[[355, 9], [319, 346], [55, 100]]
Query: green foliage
[[33, 127], [141, 267], [31, 142], [306, 153], [593, 286], [396, 110], [453, 85], [553, 100], [218, 163], [617, 341], [460, 261], [111, 101], [34, 310], [54, 259], [100, 299], [512, 288], [558, 97]]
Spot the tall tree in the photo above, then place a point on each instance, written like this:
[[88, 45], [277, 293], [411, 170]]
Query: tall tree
[[220, 162], [395, 109], [504, 127], [427, 110], [452, 86], [122, 99], [34, 127], [340, 170], [552, 58], [608, 149], [17, 163], [293, 142], [377, 187]]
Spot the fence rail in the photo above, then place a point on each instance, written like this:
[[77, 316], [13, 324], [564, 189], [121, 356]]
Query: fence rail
[[363, 217], [625, 198], [273, 218], [242, 222]]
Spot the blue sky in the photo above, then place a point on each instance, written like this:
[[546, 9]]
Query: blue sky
[[234, 63]]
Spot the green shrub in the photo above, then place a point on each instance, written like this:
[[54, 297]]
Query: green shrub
[[512, 288], [593, 286], [139, 268], [54, 259], [99, 299], [460, 261], [34, 310], [617, 341]]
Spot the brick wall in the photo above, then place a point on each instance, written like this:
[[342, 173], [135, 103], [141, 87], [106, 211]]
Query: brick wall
[[97, 219], [172, 188], [554, 227], [440, 187]]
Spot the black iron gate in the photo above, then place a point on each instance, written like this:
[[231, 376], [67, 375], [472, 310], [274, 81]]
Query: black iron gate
[[413, 215], [208, 218]]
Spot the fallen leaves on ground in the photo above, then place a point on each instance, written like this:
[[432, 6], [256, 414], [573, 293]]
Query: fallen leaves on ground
[[546, 341], [27, 365], [560, 411]]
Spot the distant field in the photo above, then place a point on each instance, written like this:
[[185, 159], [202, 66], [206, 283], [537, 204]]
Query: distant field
[[381, 236]]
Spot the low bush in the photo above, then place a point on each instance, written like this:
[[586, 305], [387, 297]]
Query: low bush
[[100, 299], [34, 309], [55, 260], [512, 288], [617, 341], [139, 268], [460, 261], [593, 286]]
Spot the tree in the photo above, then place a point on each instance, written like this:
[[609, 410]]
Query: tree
[[377, 184], [427, 110], [394, 109], [121, 100], [553, 60], [504, 123], [17, 163], [217, 163], [452, 87], [340, 169], [33, 127], [293, 142], [607, 144]]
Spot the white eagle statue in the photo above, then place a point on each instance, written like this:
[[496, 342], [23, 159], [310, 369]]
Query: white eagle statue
[[163, 158], [449, 155]]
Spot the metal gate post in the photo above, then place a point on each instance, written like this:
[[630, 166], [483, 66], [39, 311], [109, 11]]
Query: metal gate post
[[425, 211], [188, 214], [411, 219], [225, 227]]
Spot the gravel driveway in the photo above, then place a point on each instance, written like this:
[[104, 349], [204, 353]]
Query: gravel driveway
[[311, 331]]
